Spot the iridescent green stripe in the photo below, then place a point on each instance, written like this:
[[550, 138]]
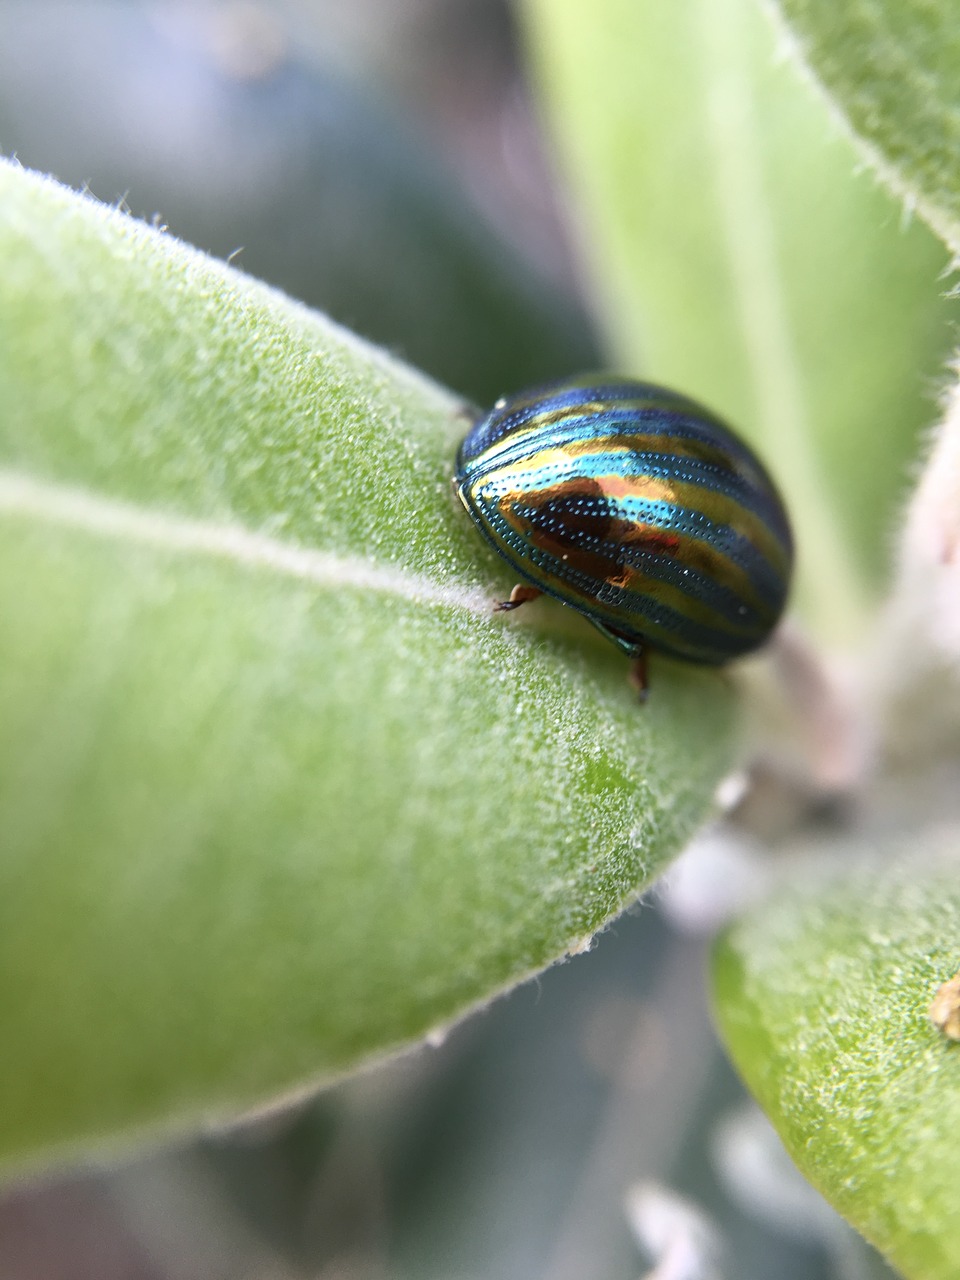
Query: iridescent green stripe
[[550, 575], [551, 464], [687, 506]]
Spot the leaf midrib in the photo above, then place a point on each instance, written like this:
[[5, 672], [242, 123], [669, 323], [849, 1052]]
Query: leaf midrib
[[91, 512]]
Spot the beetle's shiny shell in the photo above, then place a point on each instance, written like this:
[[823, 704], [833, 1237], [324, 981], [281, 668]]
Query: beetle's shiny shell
[[636, 506]]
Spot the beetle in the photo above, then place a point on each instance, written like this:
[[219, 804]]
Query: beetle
[[636, 506]]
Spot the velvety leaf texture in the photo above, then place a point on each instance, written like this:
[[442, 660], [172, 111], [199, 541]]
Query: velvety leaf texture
[[892, 68], [277, 792], [823, 997]]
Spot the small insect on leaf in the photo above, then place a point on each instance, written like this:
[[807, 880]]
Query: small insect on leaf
[[637, 507], [944, 1009]]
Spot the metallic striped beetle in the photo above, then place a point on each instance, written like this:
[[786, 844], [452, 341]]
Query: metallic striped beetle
[[637, 507]]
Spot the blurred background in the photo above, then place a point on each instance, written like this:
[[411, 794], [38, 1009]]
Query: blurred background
[[383, 161]]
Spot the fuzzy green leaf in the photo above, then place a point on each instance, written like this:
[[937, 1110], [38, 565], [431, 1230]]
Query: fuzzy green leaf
[[893, 68], [277, 792], [823, 996], [735, 254]]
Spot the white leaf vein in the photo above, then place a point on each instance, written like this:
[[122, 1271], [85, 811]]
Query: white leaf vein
[[96, 514]]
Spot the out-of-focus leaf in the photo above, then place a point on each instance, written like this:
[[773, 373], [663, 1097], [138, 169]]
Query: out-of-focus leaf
[[212, 123], [893, 68], [921, 633], [735, 254], [823, 995], [277, 793]]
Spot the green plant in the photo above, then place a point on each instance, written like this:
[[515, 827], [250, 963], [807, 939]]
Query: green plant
[[278, 796], [822, 990]]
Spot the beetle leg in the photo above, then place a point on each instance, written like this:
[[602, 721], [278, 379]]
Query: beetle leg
[[518, 596], [638, 675]]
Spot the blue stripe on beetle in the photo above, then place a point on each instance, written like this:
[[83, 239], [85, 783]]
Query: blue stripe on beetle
[[637, 507]]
